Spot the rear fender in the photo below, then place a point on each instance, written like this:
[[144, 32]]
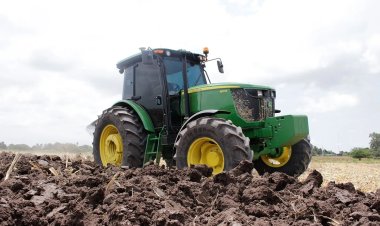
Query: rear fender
[[141, 112]]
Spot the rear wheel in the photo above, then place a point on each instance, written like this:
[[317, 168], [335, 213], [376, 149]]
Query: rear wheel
[[293, 161], [214, 142], [119, 138]]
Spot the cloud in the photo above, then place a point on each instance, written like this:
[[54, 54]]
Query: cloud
[[241, 7], [106, 81], [44, 59], [55, 108], [372, 54], [10, 30], [326, 102], [344, 71]]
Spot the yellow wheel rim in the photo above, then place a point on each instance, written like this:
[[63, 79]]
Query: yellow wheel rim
[[279, 161], [111, 146], [206, 151]]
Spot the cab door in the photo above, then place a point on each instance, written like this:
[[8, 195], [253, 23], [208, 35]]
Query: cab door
[[148, 90]]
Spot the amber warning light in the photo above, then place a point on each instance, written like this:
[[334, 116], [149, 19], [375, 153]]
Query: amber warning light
[[158, 51], [205, 51]]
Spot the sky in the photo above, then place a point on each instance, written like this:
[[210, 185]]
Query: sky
[[58, 60]]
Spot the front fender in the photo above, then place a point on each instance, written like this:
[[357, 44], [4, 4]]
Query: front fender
[[199, 115]]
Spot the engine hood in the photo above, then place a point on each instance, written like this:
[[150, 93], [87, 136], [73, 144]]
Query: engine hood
[[226, 85]]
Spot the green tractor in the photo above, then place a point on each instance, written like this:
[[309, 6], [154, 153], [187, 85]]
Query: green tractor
[[170, 110]]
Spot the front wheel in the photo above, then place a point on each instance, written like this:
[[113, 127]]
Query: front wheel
[[293, 161], [214, 142]]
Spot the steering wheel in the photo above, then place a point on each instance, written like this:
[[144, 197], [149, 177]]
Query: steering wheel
[[173, 88]]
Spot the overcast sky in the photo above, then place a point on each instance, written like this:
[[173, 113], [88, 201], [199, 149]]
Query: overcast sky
[[57, 60]]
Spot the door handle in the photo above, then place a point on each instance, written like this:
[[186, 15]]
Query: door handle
[[158, 100]]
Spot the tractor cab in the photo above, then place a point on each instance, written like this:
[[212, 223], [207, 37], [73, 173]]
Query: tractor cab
[[180, 69], [157, 78]]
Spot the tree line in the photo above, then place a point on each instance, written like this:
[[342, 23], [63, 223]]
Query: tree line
[[373, 151], [321, 151], [62, 147]]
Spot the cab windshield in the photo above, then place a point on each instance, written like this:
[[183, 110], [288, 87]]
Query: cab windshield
[[173, 68]]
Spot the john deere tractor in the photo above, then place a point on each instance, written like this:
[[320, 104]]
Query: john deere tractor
[[170, 110]]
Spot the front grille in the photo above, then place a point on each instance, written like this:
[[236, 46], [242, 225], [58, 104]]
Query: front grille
[[254, 107]]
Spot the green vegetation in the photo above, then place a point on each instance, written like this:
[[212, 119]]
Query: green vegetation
[[3, 146], [321, 151], [372, 152], [357, 153], [360, 153], [374, 144]]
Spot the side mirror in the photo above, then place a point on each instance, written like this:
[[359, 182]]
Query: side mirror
[[220, 66]]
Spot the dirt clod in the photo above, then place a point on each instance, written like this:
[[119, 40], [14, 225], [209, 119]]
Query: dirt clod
[[83, 193]]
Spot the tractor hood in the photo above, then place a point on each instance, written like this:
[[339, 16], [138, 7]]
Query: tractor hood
[[226, 85], [246, 103]]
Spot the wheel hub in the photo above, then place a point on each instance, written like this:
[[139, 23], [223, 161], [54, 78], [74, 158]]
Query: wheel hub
[[280, 160], [212, 158], [111, 146], [206, 151]]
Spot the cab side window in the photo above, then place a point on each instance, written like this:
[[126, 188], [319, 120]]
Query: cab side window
[[128, 83]]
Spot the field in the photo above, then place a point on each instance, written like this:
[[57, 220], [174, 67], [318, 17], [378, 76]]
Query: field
[[70, 189], [363, 174]]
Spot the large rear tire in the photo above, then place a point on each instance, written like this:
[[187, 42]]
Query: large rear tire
[[214, 142], [119, 138], [293, 161]]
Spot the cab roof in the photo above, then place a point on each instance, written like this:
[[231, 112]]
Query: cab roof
[[129, 61]]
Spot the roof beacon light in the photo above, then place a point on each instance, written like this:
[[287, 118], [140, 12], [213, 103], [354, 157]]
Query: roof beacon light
[[205, 51], [158, 51]]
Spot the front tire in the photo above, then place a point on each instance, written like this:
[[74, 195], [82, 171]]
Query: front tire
[[214, 142], [119, 138], [294, 160]]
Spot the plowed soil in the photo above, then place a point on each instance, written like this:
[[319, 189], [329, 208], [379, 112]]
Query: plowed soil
[[48, 190]]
